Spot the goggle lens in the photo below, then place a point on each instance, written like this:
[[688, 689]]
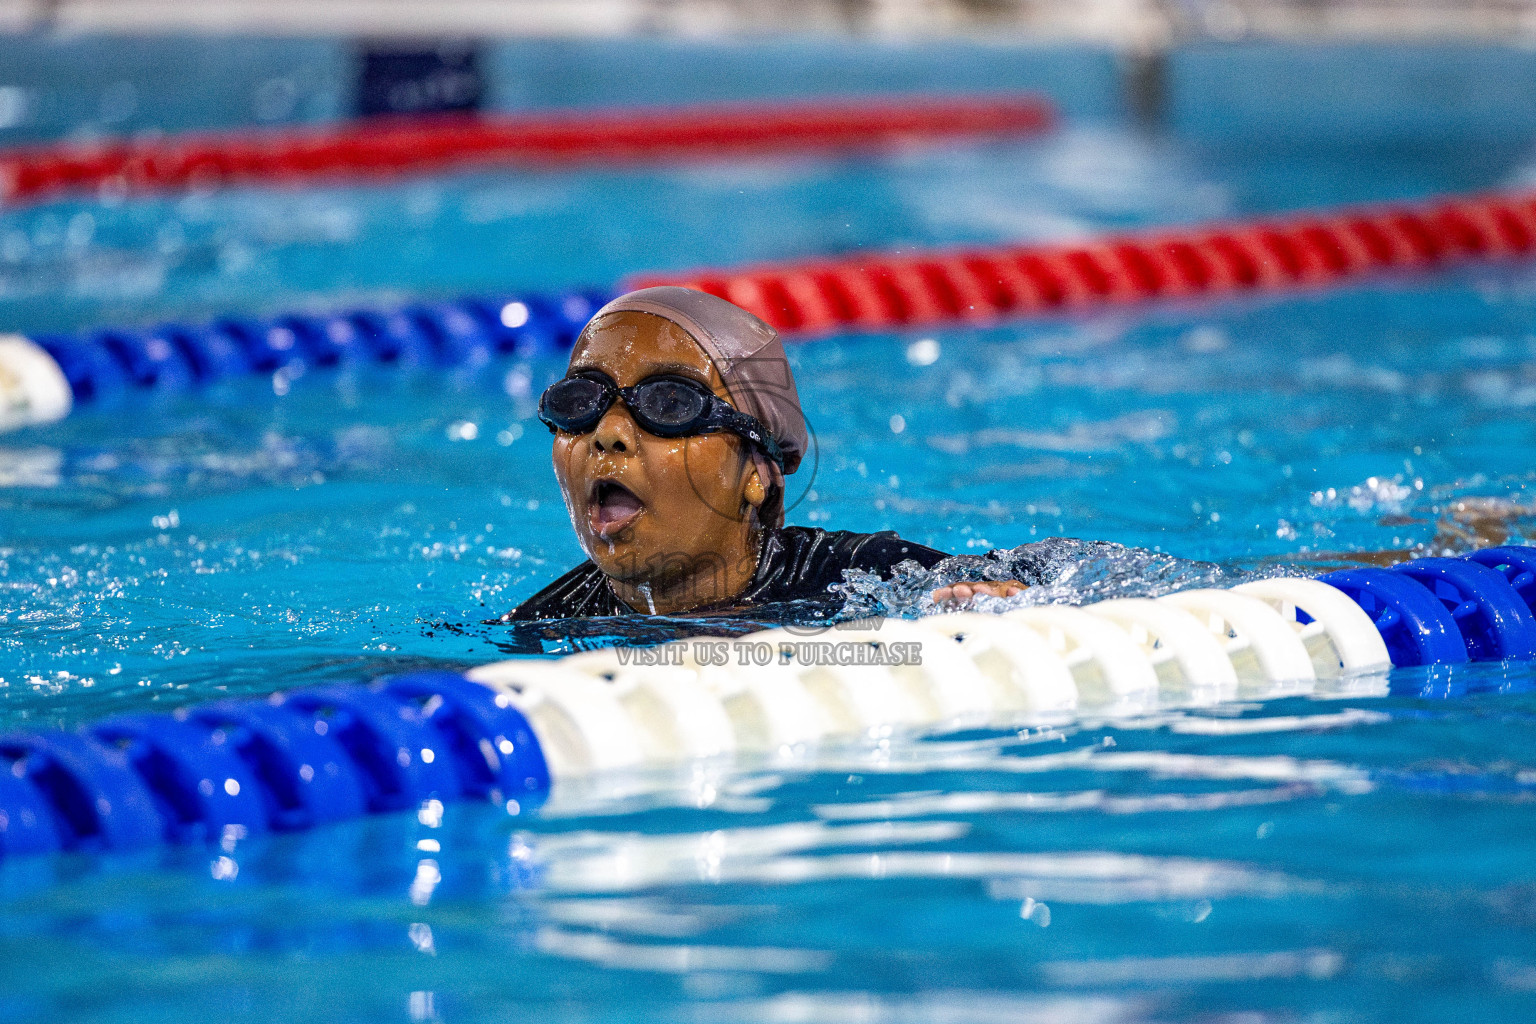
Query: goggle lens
[[668, 405], [576, 404]]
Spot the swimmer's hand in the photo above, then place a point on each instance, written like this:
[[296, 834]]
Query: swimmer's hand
[[961, 593]]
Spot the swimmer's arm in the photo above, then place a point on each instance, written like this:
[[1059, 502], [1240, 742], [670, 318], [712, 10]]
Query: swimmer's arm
[[959, 593]]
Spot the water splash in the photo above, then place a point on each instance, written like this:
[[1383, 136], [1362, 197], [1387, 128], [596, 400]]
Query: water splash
[[1059, 570]]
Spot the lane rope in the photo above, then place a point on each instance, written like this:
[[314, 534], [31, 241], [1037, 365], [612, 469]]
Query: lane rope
[[508, 731], [890, 291], [43, 378], [392, 146], [803, 300]]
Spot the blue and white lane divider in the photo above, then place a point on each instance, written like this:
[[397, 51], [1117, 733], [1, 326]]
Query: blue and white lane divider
[[43, 378], [506, 732]]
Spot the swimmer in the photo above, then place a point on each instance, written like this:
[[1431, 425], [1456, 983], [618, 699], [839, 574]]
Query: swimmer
[[674, 427]]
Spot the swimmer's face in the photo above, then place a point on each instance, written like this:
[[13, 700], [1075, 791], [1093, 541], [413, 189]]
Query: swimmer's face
[[649, 508]]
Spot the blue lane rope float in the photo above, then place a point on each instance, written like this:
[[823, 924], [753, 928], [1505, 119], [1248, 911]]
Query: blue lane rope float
[[1495, 622], [493, 746], [96, 798], [198, 783], [1518, 566], [1418, 629], [26, 819], [306, 778], [505, 732]]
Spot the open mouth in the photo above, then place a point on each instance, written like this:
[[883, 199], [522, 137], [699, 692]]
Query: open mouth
[[611, 507]]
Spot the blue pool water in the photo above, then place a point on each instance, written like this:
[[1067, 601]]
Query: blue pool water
[[1363, 858]]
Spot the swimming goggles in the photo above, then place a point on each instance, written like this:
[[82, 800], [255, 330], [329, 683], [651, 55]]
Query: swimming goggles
[[664, 405]]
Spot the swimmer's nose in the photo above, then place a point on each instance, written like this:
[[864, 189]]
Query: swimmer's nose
[[615, 431]]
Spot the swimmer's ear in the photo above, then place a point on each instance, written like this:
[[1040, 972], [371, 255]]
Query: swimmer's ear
[[755, 493]]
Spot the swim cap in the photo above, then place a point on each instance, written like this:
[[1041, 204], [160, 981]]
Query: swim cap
[[746, 351]]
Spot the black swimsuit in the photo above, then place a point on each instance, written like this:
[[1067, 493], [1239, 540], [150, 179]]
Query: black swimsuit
[[797, 563]]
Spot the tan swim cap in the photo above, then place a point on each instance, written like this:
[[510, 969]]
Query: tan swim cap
[[746, 351]]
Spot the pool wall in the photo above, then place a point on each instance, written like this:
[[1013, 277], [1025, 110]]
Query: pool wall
[[56, 86]]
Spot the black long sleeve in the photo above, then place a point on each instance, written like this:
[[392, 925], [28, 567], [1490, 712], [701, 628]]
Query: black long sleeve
[[797, 563]]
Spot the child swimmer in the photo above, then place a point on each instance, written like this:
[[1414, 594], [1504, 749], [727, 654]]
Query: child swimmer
[[675, 425]]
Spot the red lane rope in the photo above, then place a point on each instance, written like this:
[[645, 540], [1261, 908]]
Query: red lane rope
[[391, 146], [877, 291]]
